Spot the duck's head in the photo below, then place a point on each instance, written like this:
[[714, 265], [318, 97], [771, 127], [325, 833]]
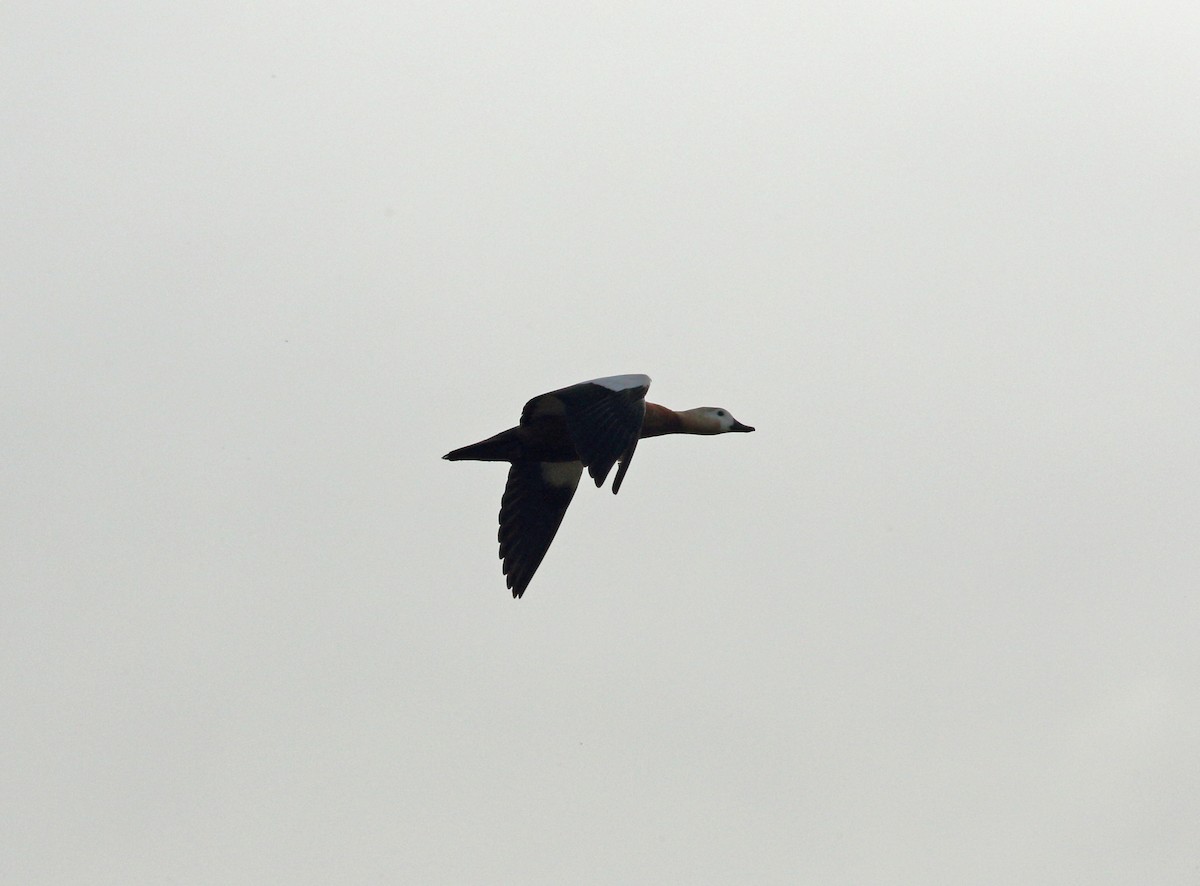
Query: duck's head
[[713, 420]]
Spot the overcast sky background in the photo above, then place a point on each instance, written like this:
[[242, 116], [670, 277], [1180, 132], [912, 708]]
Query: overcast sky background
[[934, 623]]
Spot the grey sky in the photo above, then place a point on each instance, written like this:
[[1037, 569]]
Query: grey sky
[[934, 622]]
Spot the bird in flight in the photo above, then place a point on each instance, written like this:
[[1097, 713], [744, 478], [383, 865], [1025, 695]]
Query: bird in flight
[[595, 425]]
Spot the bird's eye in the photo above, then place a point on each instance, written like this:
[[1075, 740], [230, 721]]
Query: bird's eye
[[720, 413]]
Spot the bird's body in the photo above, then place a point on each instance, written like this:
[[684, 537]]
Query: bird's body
[[594, 424]]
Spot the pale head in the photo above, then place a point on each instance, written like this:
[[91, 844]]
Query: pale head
[[712, 420]]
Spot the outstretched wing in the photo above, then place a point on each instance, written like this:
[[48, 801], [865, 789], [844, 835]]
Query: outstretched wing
[[534, 502], [603, 418]]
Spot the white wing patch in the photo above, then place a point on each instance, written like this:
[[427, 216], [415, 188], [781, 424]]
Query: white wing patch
[[561, 473], [621, 382]]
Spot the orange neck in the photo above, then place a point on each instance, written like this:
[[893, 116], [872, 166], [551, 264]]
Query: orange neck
[[660, 420]]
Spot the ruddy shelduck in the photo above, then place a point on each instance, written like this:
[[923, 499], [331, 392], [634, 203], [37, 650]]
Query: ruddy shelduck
[[594, 424]]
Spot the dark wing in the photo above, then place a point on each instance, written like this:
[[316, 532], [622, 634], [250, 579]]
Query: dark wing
[[603, 417], [534, 502]]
